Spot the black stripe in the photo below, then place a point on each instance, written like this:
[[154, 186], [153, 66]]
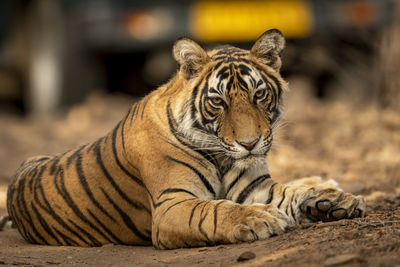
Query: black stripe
[[145, 101], [183, 140], [20, 225], [162, 245], [158, 204], [205, 111], [202, 218], [134, 112], [230, 83], [274, 98], [17, 219], [56, 159], [32, 175], [276, 115], [271, 193], [235, 181], [157, 236], [38, 160], [215, 215], [283, 197], [94, 241], [192, 100], [114, 149], [133, 203], [96, 143], [188, 153], [249, 188], [44, 224], [158, 241], [278, 84], [276, 92], [62, 190], [51, 212], [30, 238], [237, 58], [74, 155], [206, 183], [192, 212], [127, 220], [223, 72], [151, 197], [245, 70], [105, 228], [130, 111], [66, 239], [175, 190], [244, 86], [175, 204], [31, 172], [291, 208], [123, 135], [85, 185], [21, 206], [27, 217], [33, 180], [20, 199]]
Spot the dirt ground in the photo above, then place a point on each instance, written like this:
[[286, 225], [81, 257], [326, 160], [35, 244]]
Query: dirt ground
[[359, 146]]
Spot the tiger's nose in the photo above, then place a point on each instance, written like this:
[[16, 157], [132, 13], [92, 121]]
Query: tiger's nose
[[249, 145]]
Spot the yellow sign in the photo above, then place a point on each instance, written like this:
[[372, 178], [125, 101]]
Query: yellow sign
[[213, 21]]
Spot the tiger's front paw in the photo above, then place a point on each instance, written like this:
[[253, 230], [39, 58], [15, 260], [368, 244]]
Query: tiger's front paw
[[259, 222], [331, 204]]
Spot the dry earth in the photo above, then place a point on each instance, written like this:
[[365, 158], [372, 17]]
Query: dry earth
[[359, 146]]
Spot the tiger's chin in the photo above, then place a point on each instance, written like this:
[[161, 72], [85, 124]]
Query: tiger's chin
[[250, 161]]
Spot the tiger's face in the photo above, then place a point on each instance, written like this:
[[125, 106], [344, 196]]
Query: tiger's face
[[235, 103], [239, 104]]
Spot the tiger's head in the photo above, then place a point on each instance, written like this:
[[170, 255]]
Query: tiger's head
[[235, 96]]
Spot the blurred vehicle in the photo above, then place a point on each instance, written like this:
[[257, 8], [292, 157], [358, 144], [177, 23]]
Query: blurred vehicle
[[124, 45]]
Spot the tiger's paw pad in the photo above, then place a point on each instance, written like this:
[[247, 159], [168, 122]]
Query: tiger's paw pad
[[264, 221], [332, 205]]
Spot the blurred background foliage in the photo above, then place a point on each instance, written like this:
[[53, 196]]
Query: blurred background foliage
[[53, 53]]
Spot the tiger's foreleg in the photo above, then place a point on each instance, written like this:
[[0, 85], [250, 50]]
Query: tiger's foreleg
[[186, 211], [188, 222], [311, 200]]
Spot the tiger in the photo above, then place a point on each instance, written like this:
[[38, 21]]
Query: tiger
[[185, 167]]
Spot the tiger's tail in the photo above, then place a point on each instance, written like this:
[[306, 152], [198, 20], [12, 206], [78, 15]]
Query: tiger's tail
[[6, 222]]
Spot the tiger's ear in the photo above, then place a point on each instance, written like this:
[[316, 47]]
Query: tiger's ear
[[268, 48], [190, 56]]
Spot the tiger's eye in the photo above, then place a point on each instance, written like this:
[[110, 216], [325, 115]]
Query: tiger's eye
[[259, 93], [216, 100]]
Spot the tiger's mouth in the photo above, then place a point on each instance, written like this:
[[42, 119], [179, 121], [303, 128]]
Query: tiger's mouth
[[251, 155], [250, 160], [234, 153]]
